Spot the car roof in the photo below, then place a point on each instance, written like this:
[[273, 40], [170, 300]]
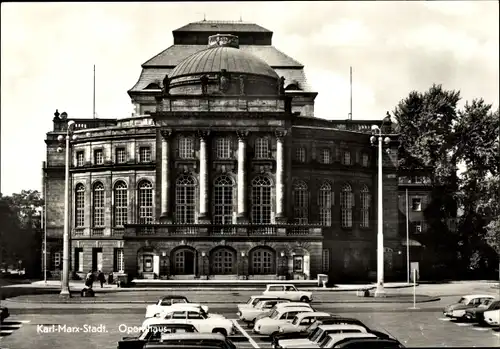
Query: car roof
[[169, 324], [369, 340], [185, 308], [339, 320], [263, 297], [312, 314], [293, 304], [173, 297], [301, 309], [470, 296], [337, 337], [195, 335], [341, 327], [280, 285]]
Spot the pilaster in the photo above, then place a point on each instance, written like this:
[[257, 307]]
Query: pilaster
[[280, 170], [242, 210], [203, 214], [165, 174]]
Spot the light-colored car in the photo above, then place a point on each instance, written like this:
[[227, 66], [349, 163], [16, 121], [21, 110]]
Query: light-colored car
[[204, 323], [302, 321], [165, 303], [270, 325], [190, 340], [457, 310], [260, 310], [319, 334], [287, 291], [253, 300], [338, 337], [492, 317]]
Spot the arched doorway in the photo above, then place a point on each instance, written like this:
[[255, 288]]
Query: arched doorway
[[223, 261], [183, 261], [262, 261]]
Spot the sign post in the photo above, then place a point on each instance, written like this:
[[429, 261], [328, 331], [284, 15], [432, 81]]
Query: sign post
[[414, 289]]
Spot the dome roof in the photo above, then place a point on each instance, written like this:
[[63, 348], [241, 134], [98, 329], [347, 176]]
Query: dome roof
[[222, 56]]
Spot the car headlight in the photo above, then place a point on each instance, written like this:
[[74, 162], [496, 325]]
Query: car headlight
[[238, 313], [281, 330]]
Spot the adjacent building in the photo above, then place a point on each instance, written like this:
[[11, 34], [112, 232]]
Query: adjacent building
[[223, 171]]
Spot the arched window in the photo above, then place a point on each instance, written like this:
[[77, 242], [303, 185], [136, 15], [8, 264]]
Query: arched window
[[346, 203], [261, 200], [223, 200], [262, 261], [98, 205], [346, 157], [79, 206], [223, 261], [261, 148], [145, 202], [300, 202], [185, 199], [223, 148], [325, 204], [186, 147], [365, 207], [120, 213], [325, 156]]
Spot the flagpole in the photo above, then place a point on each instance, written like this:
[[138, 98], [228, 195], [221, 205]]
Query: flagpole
[[407, 240], [93, 101], [350, 84]]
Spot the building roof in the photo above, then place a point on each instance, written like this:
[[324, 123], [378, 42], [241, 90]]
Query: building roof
[[214, 59], [222, 27], [175, 54]]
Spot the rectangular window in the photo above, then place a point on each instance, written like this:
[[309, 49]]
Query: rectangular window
[[80, 158], [144, 154], [79, 259], [223, 148], [98, 157], [80, 207], [326, 260], [118, 261], [365, 160], [186, 148], [300, 154], [98, 217], [261, 148], [416, 204], [417, 227], [346, 158], [325, 156], [121, 156]]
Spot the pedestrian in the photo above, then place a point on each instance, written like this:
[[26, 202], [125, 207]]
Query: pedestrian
[[101, 277], [89, 279]]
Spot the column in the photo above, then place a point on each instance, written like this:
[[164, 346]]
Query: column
[[165, 184], [203, 176], [242, 211], [280, 170]]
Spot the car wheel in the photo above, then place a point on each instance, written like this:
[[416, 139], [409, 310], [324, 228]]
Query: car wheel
[[274, 334], [221, 331], [304, 299]]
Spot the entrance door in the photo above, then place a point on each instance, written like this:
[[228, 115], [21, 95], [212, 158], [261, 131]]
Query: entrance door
[[97, 259], [148, 263], [188, 262]]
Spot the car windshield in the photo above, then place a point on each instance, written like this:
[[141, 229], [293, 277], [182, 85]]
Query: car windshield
[[295, 320], [326, 342], [312, 326], [250, 300], [259, 304], [462, 301], [316, 334], [274, 314]]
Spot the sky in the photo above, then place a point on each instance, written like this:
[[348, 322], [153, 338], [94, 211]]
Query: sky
[[48, 51]]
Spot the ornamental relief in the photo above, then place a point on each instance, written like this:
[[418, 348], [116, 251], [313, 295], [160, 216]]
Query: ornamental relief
[[186, 168], [221, 243], [226, 168], [265, 243]]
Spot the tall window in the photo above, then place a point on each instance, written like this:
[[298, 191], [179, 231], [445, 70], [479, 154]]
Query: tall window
[[346, 203], [223, 200], [98, 205], [365, 160], [185, 199], [145, 202], [80, 158], [144, 154], [346, 157], [186, 147], [263, 261], [300, 202], [325, 156], [261, 148], [121, 155], [365, 207], [325, 204], [223, 148], [118, 263], [79, 206], [121, 204], [300, 154], [326, 260], [261, 200], [98, 157]]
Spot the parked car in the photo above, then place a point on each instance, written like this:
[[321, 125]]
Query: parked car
[[253, 300], [477, 314], [204, 323], [153, 334], [4, 314], [337, 338], [280, 316], [333, 320], [492, 317], [192, 340], [302, 321], [457, 310], [261, 309], [318, 336], [288, 292], [165, 303], [372, 343]]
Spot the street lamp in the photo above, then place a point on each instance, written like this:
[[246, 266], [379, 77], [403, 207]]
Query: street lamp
[[379, 292], [65, 274]]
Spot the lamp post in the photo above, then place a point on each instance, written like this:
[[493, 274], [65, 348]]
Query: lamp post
[[379, 292], [65, 274]]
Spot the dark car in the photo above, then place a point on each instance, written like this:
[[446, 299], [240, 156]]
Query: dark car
[[368, 343], [192, 340], [477, 314], [154, 334], [4, 314], [333, 320]]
